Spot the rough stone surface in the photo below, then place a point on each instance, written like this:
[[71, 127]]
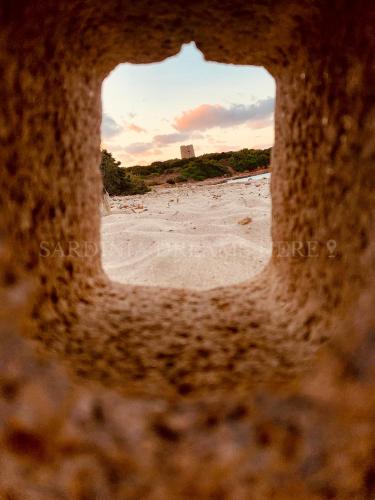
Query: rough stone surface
[[180, 394]]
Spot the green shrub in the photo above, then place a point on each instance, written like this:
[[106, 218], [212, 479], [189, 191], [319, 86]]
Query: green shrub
[[116, 180], [249, 159], [181, 179], [199, 170], [206, 166]]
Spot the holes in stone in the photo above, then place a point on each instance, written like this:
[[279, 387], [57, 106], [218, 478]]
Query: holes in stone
[[212, 421], [203, 353], [307, 336], [10, 278], [185, 389], [51, 213], [253, 324], [62, 207], [10, 166], [18, 195], [27, 443], [262, 435], [69, 267], [54, 296], [166, 432], [98, 413], [237, 412], [37, 209], [193, 229], [9, 389]]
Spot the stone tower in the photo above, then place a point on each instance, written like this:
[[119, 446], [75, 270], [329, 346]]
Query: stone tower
[[187, 151]]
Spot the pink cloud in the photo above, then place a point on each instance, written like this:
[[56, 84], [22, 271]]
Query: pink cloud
[[111, 128], [135, 128], [261, 123], [165, 139], [138, 148], [207, 116]]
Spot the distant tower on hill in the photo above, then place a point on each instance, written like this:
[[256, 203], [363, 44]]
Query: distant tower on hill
[[187, 151]]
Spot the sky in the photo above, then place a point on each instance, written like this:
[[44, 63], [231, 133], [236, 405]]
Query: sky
[[149, 110]]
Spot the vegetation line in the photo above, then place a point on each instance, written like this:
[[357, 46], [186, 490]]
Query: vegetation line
[[118, 180]]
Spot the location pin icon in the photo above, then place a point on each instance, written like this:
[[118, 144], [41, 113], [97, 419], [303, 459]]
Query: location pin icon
[[331, 247]]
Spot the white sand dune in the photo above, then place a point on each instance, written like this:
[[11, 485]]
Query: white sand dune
[[189, 236]]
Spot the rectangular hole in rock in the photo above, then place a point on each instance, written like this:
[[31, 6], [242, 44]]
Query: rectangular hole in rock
[[198, 226]]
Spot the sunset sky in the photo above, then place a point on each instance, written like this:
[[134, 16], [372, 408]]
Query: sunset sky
[[149, 110]]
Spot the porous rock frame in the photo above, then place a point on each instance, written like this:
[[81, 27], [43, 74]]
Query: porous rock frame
[[107, 379]]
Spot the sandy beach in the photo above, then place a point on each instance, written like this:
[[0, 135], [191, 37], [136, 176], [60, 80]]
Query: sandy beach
[[196, 236]]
